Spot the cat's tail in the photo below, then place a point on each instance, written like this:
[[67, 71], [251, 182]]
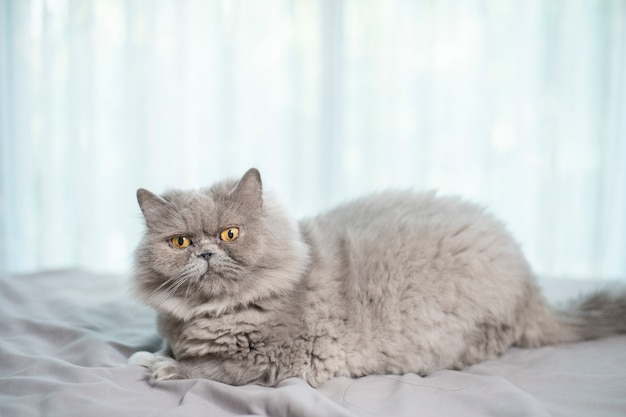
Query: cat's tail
[[599, 314]]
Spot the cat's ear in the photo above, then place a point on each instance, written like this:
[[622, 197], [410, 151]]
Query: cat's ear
[[152, 206], [249, 190]]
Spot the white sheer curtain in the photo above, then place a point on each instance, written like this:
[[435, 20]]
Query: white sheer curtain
[[519, 105]]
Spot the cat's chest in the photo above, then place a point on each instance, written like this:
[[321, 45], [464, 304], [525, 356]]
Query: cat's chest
[[223, 336]]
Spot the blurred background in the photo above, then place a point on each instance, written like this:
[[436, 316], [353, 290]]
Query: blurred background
[[519, 105]]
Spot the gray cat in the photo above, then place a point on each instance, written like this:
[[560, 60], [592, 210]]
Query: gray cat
[[392, 283]]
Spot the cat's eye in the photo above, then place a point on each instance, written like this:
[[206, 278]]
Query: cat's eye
[[230, 234], [180, 242]]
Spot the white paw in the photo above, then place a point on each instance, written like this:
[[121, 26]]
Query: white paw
[[141, 359], [160, 368]]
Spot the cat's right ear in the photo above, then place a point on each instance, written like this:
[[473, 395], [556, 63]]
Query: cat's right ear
[[249, 190], [152, 206]]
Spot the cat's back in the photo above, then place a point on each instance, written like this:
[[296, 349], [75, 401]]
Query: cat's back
[[404, 216], [396, 243]]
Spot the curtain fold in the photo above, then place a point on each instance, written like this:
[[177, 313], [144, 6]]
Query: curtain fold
[[517, 105]]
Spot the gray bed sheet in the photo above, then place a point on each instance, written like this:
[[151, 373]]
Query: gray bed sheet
[[65, 338]]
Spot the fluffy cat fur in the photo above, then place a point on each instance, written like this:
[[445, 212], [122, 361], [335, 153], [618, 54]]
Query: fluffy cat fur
[[392, 283]]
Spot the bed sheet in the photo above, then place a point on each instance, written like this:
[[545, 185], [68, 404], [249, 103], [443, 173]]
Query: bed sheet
[[65, 337]]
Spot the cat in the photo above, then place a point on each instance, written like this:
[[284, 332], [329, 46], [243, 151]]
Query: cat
[[392, 283]]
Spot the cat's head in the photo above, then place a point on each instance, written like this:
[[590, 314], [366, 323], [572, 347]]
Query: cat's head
[[216, 249]]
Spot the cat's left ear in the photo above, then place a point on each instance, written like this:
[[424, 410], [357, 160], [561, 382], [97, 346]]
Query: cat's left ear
[[249, 190], [153, 207]]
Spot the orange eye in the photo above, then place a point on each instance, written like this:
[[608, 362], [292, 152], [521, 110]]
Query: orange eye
[[230, 234], [180, 242]]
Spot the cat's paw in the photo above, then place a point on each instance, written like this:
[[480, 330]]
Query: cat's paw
[[141, 359], [160, 368], [316, 379]]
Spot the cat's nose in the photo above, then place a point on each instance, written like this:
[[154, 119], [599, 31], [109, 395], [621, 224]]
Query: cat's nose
[[206, 255]]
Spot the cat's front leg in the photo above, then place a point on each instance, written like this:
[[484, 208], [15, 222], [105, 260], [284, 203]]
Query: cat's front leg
[[160, 368]]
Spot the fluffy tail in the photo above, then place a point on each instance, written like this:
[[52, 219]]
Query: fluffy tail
[[599, 314]]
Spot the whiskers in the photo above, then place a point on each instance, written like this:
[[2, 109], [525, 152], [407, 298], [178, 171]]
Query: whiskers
[[171, 285]]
